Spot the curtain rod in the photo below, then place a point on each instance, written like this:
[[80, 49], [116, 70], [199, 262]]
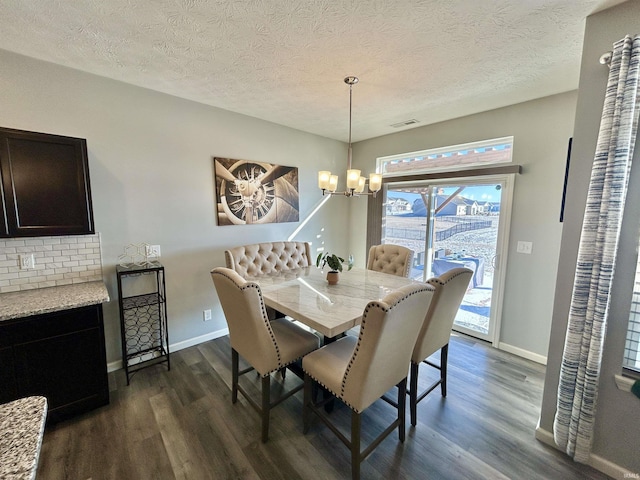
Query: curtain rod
[[605, 59]]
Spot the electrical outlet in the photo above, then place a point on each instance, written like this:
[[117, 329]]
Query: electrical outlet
[[524, 247], [153, 250], [206, 315], [27, 262]]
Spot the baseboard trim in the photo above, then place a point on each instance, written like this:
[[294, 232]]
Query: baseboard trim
[[545, 436], [117, 365], [534, 357], [624, 383], [612, 469], [596, 461]]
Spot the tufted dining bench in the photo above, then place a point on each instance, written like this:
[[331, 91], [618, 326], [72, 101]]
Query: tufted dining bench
[[268, 258]]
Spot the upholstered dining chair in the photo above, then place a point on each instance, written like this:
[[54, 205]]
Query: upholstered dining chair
[[450, 288], [360, 370], [389, 258], [268, 346]]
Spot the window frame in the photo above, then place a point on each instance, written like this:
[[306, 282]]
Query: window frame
[[451, 149], [633, 318], [627, 264]]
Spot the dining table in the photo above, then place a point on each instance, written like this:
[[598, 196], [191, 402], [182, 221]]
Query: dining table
[[305, 295]]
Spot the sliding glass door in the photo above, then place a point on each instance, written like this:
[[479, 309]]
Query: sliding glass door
[[452, 224]]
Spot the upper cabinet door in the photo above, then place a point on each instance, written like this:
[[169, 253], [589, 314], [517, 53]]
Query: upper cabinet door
[[4, 226], [46, 184]]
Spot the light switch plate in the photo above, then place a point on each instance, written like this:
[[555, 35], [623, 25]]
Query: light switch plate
[[524, 247]]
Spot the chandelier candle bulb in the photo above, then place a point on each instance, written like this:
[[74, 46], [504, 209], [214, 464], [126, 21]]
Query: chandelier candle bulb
[[333, 183], [375, 182], [353, 178], [324, 177]]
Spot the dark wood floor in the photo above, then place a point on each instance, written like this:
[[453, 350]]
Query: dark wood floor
[[181, 424]]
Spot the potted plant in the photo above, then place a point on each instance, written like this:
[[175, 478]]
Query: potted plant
[[335, 264]]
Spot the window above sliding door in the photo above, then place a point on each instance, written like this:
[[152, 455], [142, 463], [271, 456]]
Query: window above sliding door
[[450, 158]]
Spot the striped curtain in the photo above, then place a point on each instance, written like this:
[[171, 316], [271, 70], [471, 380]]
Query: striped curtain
[[580, 369]]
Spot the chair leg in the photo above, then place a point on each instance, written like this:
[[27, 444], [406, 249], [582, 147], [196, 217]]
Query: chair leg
[[444, 354], [355, 444], [306, 403], [234, 375], [402, 408], [413, 393], [266, 403]]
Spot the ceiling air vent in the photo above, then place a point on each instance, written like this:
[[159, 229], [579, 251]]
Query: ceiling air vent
[[405, 123]]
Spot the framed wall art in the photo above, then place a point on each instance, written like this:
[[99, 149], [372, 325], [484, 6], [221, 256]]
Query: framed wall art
[[249, 192]]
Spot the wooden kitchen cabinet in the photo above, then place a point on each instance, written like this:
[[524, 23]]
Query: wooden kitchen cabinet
[[44, 187], [60, 356], [8, 390]]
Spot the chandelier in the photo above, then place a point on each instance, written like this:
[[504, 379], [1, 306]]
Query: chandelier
[[355, 183]]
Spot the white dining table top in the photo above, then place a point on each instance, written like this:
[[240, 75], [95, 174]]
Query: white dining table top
[[305, 295]]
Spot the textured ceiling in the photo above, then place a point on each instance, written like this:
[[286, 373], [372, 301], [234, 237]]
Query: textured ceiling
[[284, 60]]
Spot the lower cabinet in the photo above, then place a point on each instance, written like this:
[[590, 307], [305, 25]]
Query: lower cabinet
[[60, 356], [8, 390]]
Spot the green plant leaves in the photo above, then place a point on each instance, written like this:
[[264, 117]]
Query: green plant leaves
[[333, 261]]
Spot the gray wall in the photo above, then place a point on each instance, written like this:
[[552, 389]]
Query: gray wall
[[150, 159], [617, 425], [541, 130]]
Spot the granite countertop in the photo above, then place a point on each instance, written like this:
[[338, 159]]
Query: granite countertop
[[21, 431], [51, 299]]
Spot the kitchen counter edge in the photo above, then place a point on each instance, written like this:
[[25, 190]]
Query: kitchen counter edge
[[51, 299]]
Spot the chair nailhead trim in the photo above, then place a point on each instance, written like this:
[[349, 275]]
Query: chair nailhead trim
[[363, 323], [265, 319], [334, 393], [437, 280]]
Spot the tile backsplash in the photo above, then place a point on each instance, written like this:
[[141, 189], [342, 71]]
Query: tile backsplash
[[58, 261]]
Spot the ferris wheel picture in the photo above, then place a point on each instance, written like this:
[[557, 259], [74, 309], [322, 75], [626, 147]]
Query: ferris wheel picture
[[250, 192]]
